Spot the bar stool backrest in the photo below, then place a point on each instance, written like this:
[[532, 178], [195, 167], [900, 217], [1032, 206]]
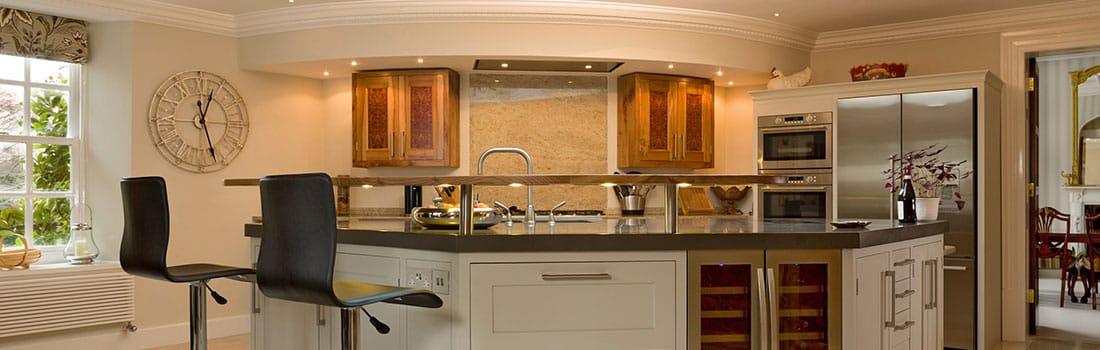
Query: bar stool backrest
[[298, 242], [145, 228]]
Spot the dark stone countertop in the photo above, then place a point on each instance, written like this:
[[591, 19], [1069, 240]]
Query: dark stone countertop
[[630, 234]]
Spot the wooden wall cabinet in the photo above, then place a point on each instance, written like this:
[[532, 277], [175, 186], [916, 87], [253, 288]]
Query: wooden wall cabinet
[[665, 121], [405, 118]]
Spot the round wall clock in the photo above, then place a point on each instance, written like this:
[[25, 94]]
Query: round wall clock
[[198, 121]]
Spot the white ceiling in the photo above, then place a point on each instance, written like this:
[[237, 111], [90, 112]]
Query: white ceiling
[[813, 15]]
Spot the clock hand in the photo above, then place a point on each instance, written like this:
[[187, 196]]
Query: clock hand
[[202, 121], [209, 97], [207, 131]]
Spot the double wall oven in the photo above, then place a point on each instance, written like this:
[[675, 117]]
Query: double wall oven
[[800, 148]]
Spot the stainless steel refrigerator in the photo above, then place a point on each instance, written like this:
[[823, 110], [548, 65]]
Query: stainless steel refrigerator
[[871, 129]]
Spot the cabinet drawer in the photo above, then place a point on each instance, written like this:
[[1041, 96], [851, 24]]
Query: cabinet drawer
[[900, 336], [902, 295], [902, 263], [599, 305]]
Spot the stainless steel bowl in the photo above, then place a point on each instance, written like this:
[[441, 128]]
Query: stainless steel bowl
[[449, 218]]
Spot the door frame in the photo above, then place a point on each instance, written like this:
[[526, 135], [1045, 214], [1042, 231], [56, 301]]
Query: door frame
[[1015, 47]]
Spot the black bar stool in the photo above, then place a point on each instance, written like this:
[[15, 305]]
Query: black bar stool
[[298, 254], [145, 245]]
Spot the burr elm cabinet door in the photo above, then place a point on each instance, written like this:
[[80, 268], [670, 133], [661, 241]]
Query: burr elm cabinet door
[[665, 121], [405, 118], [573, 305]]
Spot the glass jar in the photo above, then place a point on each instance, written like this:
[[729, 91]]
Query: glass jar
[[81, 248]]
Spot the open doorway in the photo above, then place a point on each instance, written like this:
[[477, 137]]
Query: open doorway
[[1053, 312]]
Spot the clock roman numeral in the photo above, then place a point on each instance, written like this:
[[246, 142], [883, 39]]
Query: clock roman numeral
[[168, 136]]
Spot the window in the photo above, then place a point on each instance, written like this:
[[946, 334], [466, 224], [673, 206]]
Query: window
[[39, 136]]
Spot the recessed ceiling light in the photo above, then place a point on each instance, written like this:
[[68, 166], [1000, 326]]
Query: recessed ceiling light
[[731, 82], [291, 1], [670, 66], [720, 72], [354, 63], [503, 65], [496, 80], [570, 81], [588, 66], [419, 60], [325, 73], [776, 14]]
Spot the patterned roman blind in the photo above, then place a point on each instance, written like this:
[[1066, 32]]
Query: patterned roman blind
[[29, 34]]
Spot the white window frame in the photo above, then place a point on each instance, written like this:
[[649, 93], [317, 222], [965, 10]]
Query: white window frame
[[51, 253]]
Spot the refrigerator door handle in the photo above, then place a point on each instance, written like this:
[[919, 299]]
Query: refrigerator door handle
[[953, 268], [762, 304], [773, 311]]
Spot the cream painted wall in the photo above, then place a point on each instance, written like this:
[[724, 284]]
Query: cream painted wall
[[285, 135], [959, 54], [733, 131]]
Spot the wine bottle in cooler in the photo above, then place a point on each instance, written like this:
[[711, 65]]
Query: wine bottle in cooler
[[907, 199]]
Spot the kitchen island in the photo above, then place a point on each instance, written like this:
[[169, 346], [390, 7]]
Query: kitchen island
[[626, 283]]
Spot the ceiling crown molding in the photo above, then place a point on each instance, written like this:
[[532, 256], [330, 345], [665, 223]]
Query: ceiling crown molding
[[134, 10], [956, 26], [573, 12]]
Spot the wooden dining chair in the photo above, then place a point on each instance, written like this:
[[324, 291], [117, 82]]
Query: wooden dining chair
[[1046, 248], [1092, 253]]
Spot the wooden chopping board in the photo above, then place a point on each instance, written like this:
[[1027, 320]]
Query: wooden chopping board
[[694, 201]]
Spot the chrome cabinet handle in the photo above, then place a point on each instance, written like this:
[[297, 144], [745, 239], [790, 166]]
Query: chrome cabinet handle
[[905, 293], [255, 295], [905, 262], [930, 267], [891, 318], [936, 283], [403, 145], [683, 146], [905, 326], [954, 268], [575, 276], [393, 135], [762, 304], [773, 311]]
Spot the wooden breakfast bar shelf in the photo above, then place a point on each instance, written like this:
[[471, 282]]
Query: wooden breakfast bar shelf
[[466, 183], [505, 180]]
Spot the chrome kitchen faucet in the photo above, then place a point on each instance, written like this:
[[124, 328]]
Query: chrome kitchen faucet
[[529, 215]]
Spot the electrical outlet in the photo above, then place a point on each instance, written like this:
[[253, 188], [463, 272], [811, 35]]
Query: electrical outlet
[[441, 281], [419, 278]]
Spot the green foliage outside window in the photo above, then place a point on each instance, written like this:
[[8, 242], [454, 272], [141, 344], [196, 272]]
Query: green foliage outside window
[[49, 117]]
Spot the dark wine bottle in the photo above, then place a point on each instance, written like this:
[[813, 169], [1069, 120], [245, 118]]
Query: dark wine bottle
[[907, 200]]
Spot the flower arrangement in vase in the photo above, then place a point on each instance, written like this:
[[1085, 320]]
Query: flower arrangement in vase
[[929, 174]]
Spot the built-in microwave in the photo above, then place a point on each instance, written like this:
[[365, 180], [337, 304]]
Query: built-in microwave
[[801, 196], [795, 141]]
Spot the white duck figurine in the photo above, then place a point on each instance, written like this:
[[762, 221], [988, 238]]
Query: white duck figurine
[[779, 81]]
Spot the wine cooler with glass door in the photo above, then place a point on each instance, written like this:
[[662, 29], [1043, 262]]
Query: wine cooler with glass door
[[769, 300]]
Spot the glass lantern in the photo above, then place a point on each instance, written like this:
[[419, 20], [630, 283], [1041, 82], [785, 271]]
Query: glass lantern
[[81, 249]]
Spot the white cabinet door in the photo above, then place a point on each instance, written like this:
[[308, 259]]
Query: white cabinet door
[[928, 277], [871, 302], [378, 270], [589, 305], [280, 324]]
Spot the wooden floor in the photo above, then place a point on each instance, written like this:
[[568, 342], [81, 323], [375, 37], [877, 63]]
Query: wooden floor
[[237, 342]]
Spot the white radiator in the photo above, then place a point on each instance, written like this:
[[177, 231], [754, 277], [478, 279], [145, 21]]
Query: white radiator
[[64, 298]]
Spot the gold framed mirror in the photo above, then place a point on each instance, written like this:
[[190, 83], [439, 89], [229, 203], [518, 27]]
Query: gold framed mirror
[[1089, 139]]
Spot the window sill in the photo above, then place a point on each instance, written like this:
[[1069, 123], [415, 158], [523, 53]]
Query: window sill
[[58, 270]]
